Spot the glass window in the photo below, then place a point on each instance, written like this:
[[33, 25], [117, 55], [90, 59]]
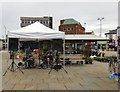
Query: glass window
[[28, 21], [68, 29], [46, 22], [72, 29], [65, 29], [23, 21], [41, 21], [31, 21]]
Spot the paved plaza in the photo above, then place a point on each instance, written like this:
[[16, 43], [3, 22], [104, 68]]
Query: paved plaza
[[80, 77]]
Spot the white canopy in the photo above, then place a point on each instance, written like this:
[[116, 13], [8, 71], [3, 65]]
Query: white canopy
[[36, 31]]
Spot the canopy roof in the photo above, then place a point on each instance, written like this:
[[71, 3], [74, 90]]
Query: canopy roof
[[37, 31], [85, 37]]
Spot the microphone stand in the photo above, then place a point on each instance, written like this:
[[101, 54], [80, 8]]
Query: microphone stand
[[11, 66]]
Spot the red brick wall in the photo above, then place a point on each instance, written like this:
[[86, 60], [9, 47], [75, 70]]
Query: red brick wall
[[78, 29]]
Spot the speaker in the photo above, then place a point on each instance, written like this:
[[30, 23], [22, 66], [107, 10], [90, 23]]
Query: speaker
[[13, 44]]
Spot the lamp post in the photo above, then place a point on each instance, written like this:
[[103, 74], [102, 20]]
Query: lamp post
[[100, 19], [85, 25], [5, 37]]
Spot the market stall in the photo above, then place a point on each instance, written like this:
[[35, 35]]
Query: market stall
[[36, 31]]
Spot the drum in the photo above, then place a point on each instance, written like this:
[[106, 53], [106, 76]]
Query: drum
[[30, 62], [44, 65], [57, 66]]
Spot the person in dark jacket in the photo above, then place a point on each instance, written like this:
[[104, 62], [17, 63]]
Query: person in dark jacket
[[28, 52]]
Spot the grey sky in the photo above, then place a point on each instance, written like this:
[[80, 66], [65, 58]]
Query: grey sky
[[84, 12]]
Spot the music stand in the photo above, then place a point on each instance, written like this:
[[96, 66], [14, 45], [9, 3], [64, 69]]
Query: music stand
[[11, 66]]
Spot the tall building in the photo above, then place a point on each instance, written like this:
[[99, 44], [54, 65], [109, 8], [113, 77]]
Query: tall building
[[47, 21], [71, 26]]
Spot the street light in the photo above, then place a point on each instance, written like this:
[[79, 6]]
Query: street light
[[100, 19], [5, 37], [85, 25]]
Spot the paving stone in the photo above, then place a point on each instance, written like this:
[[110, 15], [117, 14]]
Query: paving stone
[[74, 86], [19, 86], [88, 77], [56, 86], [30, 87], [43, 86], [8, 86]]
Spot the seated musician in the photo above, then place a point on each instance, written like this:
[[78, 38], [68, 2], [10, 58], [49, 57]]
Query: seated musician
[[56, 56], [57, 64], [29, 58], [49, 56], [28, 52]]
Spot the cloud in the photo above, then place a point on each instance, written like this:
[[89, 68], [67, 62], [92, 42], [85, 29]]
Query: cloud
[[81, 11]]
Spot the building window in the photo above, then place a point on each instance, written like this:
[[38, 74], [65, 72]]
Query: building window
[[32, 21], [64, 29], [42, 21], [69, 29], [28, 21], [23, 21], [46, 22], [72, 29]]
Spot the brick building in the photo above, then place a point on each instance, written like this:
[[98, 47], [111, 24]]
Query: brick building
[[71, 26], [47, 21]]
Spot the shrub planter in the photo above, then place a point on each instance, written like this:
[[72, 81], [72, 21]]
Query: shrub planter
[[101, 59]]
